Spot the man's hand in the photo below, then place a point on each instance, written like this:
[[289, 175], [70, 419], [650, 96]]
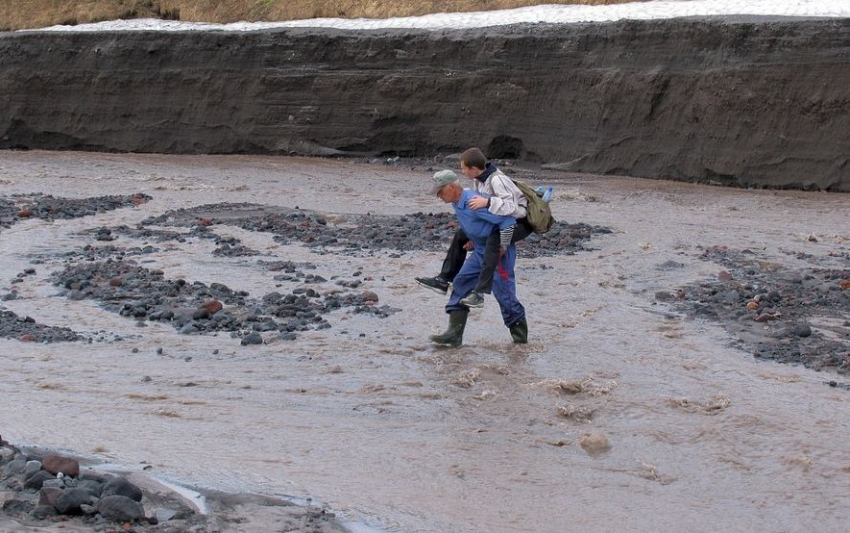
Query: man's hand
[[502, 251], [469, 246], [477, 202]]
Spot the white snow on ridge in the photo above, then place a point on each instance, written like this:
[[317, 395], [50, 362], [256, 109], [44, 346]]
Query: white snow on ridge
[[657, 9]]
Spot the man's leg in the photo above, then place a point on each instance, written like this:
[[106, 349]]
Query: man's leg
[[465, 280], [455, 256], [463, 283], [504, 290], [491, 258]]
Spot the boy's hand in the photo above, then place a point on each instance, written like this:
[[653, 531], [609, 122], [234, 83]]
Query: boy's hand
[[502, 251], [477, 203], [469, 246]]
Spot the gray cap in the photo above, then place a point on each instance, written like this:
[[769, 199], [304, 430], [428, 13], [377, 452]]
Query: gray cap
[[441, 179]]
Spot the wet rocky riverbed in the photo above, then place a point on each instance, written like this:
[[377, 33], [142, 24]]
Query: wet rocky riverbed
[[43, 491], [111, 275], [252, 337], [48, 207], [778, 313]]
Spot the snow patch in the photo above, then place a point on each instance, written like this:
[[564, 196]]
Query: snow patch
[[551, 14]]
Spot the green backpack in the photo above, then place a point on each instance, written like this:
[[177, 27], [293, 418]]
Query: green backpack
[[539, 214]]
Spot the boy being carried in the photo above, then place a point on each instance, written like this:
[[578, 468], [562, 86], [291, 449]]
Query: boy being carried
[[503, 199]]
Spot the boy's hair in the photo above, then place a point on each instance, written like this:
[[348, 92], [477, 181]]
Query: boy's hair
[[474, 158]]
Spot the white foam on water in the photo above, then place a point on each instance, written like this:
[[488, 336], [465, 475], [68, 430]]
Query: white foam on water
[[195, 498], [552, 14]]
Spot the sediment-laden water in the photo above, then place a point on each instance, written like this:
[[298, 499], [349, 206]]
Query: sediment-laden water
[[628, 410]]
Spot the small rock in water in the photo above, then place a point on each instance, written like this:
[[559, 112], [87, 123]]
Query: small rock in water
[[802, 330], [663, 296], [36, 480], [32, 467], [213, 306], [120, 509], [164, 515], [49, 495], [87, 509], [70, 500], [252, 338], [56, 464], [595, 443], [53, 484], [121, 487], [41, 512]]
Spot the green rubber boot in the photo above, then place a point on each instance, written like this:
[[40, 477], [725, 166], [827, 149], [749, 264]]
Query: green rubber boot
[[519, 332], [453, 336]]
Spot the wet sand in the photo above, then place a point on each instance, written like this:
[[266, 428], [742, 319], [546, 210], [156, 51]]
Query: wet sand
[[386, 430]]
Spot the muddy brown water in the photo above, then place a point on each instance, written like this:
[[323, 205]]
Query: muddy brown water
[[370, 419]]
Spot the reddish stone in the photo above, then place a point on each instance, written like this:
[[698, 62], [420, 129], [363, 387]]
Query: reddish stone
[[56, 463], [115, 282], [25, 213], [845, 284], [49, 495], [213, 306], [753, 305], [205, 222], [26, 338], [724, 275], [369, 296], [138, 200]]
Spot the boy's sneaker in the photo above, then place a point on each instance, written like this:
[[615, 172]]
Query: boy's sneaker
[[473, 300], [437, 284]]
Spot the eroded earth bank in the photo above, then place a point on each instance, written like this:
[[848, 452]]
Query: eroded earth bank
[[746, 101], [250, 325]]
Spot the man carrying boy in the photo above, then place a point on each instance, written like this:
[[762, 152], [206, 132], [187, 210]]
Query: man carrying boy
[[478, 226]]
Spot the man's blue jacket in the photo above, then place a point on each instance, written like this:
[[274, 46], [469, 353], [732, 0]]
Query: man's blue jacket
[[478, 224]]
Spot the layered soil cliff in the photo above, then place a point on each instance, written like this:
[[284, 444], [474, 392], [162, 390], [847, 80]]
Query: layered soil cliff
[[743, 102]]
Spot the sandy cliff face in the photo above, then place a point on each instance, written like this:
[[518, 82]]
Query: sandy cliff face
[[748, 103]]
